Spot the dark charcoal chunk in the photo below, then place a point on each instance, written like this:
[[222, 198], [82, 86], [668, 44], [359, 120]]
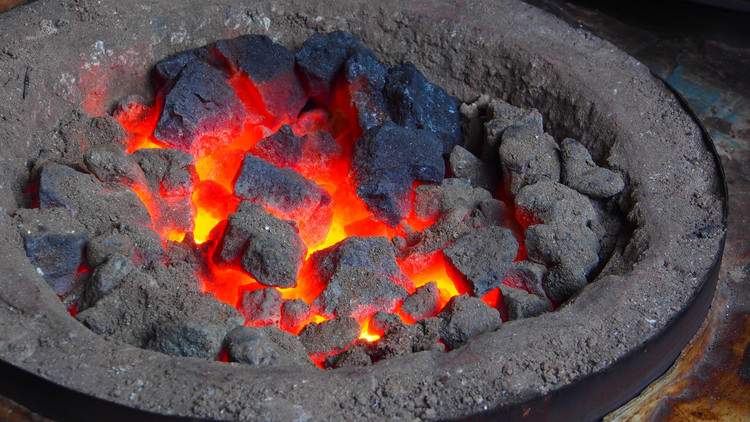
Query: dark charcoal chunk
[[168, 171], [473, 117], [283, 148], [196, 339], [465, 165], [555, 202], [261, 307], [425, 335], [528, 157], [502, 116], [144, 301], [483, 257], [423, 302], [582, 174], [286, 191], [201, 101], [267, 346], [321, 58], [452, 194], [82, 134], [387, 160], [140, 244], [465, 317], [397, 340], [494, 211], [528, 274], [167, 70], [270, 68], [360, 275], [54, 243], [521, 304], [270, 249], [110, 164], [565, 243], [450, 226], [365, 76], [356, 355], [329, 336], [569, 251], [87, 199], [176, 213], [400, 339], [414, 102], [105, 278], [294, 314]]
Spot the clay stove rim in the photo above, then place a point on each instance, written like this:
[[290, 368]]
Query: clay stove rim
[[43, 320]]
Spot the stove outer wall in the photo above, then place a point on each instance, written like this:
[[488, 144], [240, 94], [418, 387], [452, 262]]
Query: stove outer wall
[[94, 53]]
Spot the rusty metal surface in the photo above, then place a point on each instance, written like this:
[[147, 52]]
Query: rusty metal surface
[[9, 4], [704, 54]]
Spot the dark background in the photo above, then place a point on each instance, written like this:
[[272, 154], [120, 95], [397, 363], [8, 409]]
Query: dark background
[[703, 52]]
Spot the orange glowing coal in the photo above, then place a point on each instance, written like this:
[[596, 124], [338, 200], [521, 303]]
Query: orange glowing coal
[[218, 157]]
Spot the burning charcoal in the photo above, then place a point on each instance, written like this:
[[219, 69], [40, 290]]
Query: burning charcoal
[[465, 317], [145, 300], [318, 149], [270, 68], [329, 336], [82, 134], [283, 148], [110, 164], [196, 339], [483, 257], [450, 226], [384, 322], [105, 278], [365, 76], [582, 174], [387, 160], [168, 171], [425, 335], [360, 275], [465, 165], [140, 244], [501, 116], [270, 249], [451, 194], [565, 242], [423, 303], [528, 274], [570, 251], [527, 157], [473, 116], [493, 211], [416, 103], [397, 341], [267, 346], [356, 355], [261, 307], [200, 102], [85, 197], [286, 191], [176, 214], [321, 58], [54, 243], [294, 314], [167, 70], [555, 202], [521, 304]]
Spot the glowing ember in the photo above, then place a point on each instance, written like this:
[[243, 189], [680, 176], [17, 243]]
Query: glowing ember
[[327, 131]]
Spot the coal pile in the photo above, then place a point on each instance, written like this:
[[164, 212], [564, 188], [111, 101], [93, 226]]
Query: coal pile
[[283, 208]]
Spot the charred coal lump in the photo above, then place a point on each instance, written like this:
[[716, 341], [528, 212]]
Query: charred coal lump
[[316, 207]]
